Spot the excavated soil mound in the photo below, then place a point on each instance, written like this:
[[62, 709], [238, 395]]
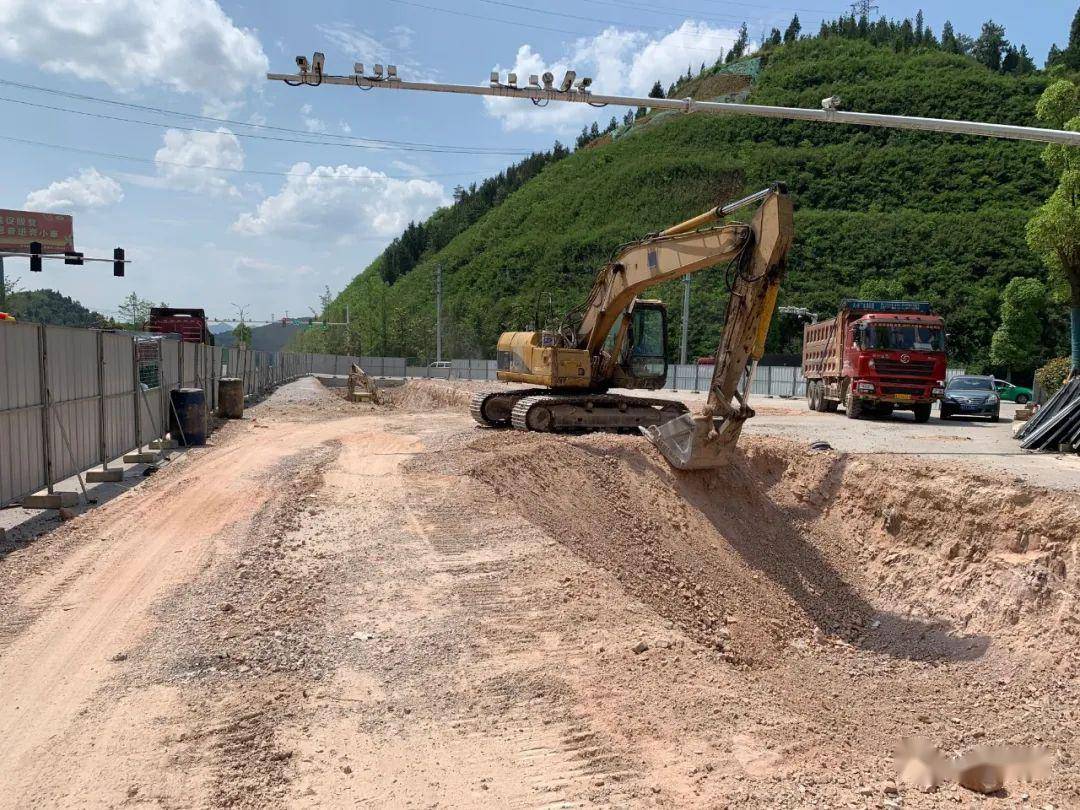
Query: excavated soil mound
[[786, 546], [426, 395]]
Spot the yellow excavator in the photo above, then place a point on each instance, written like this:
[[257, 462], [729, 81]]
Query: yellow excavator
[[617, 340]]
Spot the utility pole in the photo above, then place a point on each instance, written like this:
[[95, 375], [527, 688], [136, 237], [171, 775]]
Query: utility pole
[[438, 312], [3, 285], [685, 318]]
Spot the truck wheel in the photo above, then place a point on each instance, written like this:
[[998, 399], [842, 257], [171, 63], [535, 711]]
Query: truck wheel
[[830, 406], [1022, 399], [853, 406], [922, 413]]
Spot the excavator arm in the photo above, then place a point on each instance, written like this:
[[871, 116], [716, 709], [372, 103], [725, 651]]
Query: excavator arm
[[701, 441], [678, 251]]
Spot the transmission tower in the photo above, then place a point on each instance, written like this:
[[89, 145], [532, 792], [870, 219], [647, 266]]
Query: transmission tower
[[863, 8]]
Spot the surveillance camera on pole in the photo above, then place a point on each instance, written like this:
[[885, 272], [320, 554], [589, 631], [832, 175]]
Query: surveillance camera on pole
[[542, 89], [568, 81]]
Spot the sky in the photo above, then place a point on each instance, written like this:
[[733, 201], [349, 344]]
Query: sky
[[151, 122]]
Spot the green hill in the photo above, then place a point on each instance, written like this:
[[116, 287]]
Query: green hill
[[52, 308], [878, 212]]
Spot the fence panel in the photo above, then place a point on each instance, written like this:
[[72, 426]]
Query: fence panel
[[118, 381], [22, 454], [74, 403]]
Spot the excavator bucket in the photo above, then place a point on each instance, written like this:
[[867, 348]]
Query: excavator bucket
[[692, 442]]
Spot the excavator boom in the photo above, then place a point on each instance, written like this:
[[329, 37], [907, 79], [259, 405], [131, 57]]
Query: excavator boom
[[691, 442]]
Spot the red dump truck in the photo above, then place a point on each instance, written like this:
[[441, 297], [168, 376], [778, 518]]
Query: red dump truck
[[189, 324], [875, 357]]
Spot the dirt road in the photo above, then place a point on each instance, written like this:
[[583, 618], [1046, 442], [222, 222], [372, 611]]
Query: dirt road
[[338, 605]]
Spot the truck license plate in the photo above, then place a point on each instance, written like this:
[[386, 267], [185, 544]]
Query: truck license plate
[[902, 396]]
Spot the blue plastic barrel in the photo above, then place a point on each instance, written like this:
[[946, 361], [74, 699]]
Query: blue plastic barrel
[[187, 419]]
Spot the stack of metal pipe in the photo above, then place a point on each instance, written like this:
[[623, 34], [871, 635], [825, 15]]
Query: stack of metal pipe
[[1055, 427]]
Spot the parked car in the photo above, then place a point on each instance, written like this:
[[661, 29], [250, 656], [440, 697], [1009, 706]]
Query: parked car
[[439, 364], [971, 396], [1007, 392]]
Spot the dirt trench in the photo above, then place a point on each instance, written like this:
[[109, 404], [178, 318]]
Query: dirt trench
[[786, 545]]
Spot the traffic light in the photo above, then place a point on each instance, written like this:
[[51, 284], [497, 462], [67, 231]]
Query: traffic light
[[118, 262], [35, 257]]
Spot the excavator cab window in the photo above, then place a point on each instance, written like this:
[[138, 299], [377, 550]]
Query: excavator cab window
[[646, 342]]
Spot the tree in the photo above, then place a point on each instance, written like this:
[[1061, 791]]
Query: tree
[[594, 131], [11, 286], [1025, 64], [1053, 59], [948, 39], [242, 333], [134, 310], [920, 28], [775, 38], [1011, 62], [657, 90], [1015, 345], [1070, 57], [628, 119], [991, 45], [738, 50], [1053, 232], [792, 32]]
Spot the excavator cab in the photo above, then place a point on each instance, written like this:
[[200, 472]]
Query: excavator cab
[[643, 359]]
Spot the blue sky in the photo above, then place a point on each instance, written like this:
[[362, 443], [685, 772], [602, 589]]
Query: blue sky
[[276, 221]]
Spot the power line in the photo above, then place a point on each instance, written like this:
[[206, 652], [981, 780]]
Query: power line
[[305, 141], [156, 162], [580, 17], [226, 121], [705, 14], [576, 33]]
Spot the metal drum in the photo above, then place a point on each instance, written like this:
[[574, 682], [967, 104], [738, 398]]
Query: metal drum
[[230, 398], [187, 419]]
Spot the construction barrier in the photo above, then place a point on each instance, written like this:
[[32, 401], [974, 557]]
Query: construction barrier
[[72, 399]]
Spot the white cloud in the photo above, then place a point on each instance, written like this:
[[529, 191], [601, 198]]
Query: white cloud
[[189, 45], [89, 189], [360, 46], [341, 204], [187, 161], [311, 123], [254, 271], [345, 128], [619, 62]]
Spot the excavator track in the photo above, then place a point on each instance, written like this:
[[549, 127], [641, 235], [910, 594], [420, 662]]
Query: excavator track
[[493, 408], [577, 413]]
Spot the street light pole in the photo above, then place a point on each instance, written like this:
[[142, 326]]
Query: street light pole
[[685, 319], [438, 313]]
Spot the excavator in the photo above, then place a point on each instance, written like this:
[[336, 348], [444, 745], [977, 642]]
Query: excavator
[[617, 340]]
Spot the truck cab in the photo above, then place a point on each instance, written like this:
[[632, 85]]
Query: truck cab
[[876, 357], [896, 358]]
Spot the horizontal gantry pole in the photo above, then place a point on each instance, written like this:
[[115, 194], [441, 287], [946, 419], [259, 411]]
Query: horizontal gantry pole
[[688, 105]]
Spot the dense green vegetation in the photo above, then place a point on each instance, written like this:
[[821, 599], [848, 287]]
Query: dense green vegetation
[[919, 215], [52, 308]]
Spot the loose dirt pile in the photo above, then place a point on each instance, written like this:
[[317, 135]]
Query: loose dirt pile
[[787, 546], [426, 395]]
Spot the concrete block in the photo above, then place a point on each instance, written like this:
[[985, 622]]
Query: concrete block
[[111, 476], [56, 500], [162, 444], [142, 458]]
